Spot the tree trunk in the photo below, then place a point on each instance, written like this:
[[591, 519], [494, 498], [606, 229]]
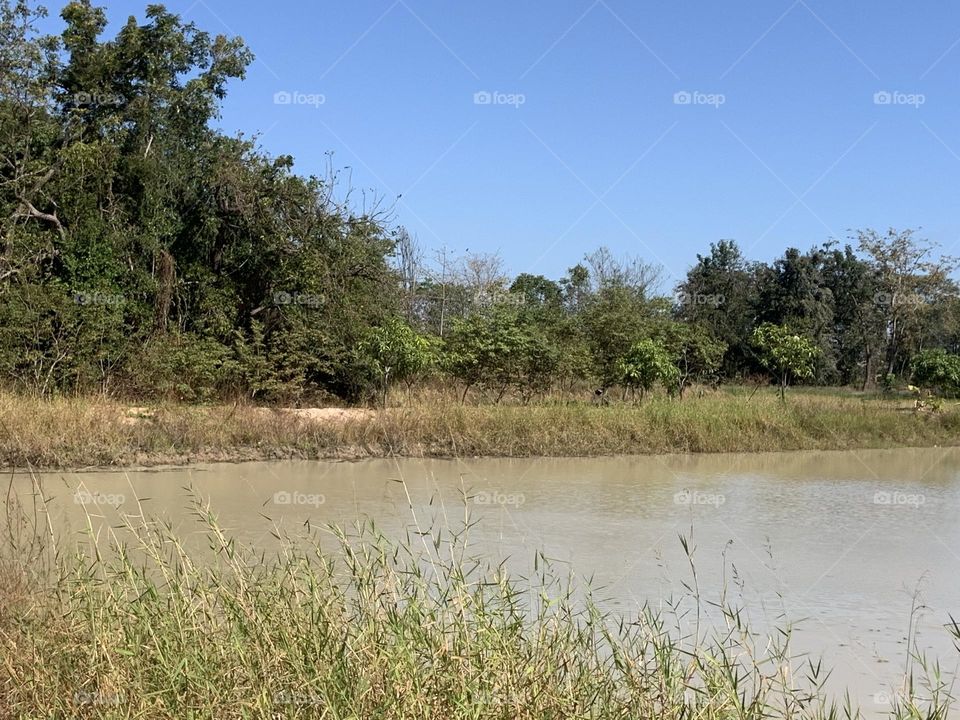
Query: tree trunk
[[166, 273], [867, 370]]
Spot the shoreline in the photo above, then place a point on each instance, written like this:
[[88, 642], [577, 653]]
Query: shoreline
[[165, 464], [94, 434], [241, 456]]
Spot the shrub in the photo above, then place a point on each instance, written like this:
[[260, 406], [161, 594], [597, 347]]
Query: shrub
[[937, 370]]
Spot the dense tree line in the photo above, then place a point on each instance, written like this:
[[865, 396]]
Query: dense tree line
[[144, 252], [143, 249]]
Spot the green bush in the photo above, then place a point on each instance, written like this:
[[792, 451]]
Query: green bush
[[937, 370], [185, 367]]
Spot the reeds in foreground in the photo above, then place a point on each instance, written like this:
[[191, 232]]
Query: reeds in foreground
[[357, 625]]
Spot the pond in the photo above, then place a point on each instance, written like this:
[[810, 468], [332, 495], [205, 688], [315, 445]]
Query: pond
[[841, 544]]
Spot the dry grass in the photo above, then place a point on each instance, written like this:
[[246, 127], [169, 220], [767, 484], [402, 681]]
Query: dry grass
[[97, 432]]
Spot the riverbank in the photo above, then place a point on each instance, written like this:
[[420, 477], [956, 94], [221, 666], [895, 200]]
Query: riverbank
[[88, 432]]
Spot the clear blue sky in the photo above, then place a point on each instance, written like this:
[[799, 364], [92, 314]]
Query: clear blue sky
[[599, 152]]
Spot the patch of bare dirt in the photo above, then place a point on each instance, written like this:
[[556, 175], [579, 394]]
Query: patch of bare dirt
[[329, 414], [137, 415]]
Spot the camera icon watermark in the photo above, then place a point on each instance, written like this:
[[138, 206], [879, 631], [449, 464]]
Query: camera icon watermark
[[713, 300], [96, 99], [895, 97], [897, 299], [300, 699], [888, 698], [490, 298], [295, 97], [695, 97], [298, 298], [900, 499], [687, 497], [97, 298], [298, 498], [486, 97], [498, 498], [84, 497]]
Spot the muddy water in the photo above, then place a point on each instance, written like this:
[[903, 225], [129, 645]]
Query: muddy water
[[843, 544]]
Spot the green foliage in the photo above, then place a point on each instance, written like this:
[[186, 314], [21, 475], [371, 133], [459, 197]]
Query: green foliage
[[538, 365], [858, 326], [910, 281], [793, 293], [612, 321], [396, 352], [134, 233], [646, 363], [484, 349], [720, 294], [937, 370], [186, 367], [785, 353], [498, 350], [119, 190], [538, 294], [888, 384], [697, 355]]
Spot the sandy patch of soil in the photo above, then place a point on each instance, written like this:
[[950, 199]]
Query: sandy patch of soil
[[329, 414], [133, 416], [137, 415]]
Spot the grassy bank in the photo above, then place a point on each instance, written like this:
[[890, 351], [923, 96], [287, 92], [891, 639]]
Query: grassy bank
[[140, 627], [95, 432]]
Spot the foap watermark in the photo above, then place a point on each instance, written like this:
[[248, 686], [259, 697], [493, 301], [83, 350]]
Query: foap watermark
[[489, 298], [495, 97], [298, 498], [714, 300], [297, 698], [298, 298], [89, 698], [900, 499], [695, 497], [895, 97], [495, 497], [295, 97], [695, 97], [96, 99], [888, 698], [897, 299], [84, 497], [98, 298]]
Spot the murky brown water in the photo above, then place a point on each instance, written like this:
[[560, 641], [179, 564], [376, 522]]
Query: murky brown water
[[841, 543]]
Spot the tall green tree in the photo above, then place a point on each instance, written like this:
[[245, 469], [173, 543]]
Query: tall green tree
[[696, 354], [720, 293], [785, 353], [396, 353], [857, 332], [646, 363]]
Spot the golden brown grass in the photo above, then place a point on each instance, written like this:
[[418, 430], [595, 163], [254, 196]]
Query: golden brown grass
[[100, 432]]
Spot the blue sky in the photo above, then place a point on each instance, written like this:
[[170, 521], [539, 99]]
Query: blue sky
[[777, 137]]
